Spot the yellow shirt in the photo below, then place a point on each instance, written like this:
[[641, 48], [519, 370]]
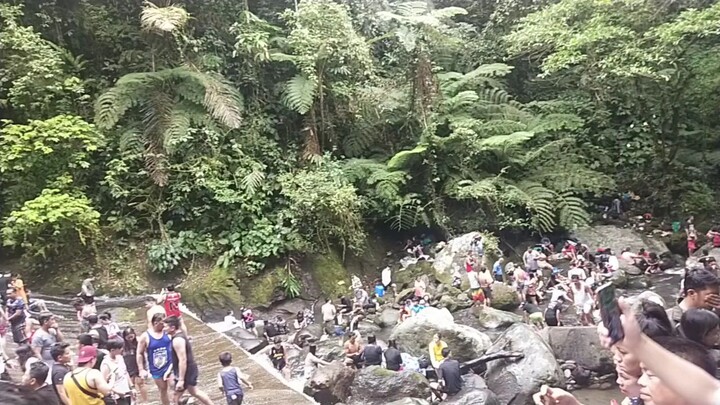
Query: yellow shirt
[[437, 350], [75, 394]]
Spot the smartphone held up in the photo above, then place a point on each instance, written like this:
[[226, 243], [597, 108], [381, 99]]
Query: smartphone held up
[[610, 312]]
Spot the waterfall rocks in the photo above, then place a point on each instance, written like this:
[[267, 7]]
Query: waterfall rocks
[[409, 401], [330, 384], [491, 318], [329, 350], [504, 297], [515, 382], [474, 392], [452, 256], [617, 238], [454, 303], [581, 345], [414, 335], [388, 317], [375, 385], [247, 339]]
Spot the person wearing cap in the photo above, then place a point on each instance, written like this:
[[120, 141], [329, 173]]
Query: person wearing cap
[[85, 385]]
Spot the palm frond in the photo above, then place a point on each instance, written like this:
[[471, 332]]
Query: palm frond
[[163, 19], [253, 180], [222, 100], [299, 94], [572, 212]]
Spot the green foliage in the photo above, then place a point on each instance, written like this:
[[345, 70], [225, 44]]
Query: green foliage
[[51, 223]]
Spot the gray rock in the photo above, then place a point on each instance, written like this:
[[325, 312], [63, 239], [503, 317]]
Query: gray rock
[[375, 385], [388, 317], [649, 296], [618, 238], [581, 345], [367, 328], [247, 339], [515, 381], [641, 282], [409, 401], [414, 335], [330, 349], [454, 303], [330, 384], [452, 256], [473, 396], [504, 297], [491, 318], [619, 279], [308, 334]]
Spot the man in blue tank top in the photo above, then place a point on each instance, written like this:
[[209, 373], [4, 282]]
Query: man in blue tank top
[[155, 349], [231, 379]]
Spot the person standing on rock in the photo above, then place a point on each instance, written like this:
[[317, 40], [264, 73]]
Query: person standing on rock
[[16, 315], [171, 304], [183, 363], [486, 280], [498, 270], [476, 293], [155, 349], [45, 337], [583, 299], [87, 291], [386, 278], [329, 313], [478, 246]]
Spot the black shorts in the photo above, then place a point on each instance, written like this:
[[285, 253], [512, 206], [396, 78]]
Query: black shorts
[[88, 299], [531, 297], [18, 332], [250, 325], [499, 277], [236, 401], [488, 292], [551, 321], [279, 364], [191, 377]]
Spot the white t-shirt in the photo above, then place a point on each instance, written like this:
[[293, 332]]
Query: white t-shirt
[[613, 263], [557, 294], [119, 369], [328, 311], [473, 279], [386, 276], [578, 272]]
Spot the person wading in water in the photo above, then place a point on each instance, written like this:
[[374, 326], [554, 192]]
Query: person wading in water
[[155, 349], [85, 385], [183, 362]]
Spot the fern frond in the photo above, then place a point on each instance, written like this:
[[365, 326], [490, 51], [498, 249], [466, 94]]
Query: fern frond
[[163, 19], [485, 189], [461, 100], [131, 141], [176, 129], [506, 141], [557, 122], [485, 75], [299, 94], [572, 212], [401, 158], [222, 100], [253, 180], [500, 127]]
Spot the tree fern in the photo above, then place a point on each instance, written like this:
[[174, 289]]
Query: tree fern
[[572, 213], [253, 180], [506, 141], [299, 94], [163, 19]]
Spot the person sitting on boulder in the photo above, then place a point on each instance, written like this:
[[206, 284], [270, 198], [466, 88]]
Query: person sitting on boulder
[[653, 264], [449, 375], [353, 351], [714, 235], [569, 250], [419, 306], [405, 311], [436, 347], [393, 357], [708, 261], [344, 308], [372, 353]]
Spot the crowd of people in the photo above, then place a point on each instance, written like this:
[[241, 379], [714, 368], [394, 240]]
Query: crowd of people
[[111, 364]]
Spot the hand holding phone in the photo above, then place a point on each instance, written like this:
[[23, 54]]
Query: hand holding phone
[[610, 312]]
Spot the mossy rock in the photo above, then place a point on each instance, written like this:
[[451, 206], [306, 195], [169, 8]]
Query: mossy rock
[[210, 288], [504, 297], [329, 273], [263, 289]]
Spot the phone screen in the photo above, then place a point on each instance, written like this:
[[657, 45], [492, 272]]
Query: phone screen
[[610, 312]]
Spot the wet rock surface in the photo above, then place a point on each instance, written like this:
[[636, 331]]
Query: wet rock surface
[[581, 345], [376, 386]]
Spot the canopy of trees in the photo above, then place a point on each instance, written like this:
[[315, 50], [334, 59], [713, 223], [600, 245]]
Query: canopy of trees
[[248, 131]]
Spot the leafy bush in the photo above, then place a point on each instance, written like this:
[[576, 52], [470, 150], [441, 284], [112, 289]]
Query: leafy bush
[[52, 223]]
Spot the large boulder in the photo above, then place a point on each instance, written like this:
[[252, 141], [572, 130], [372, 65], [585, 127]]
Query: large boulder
[[409, 401], [454, 303], [388, 317], [375, 385], [473, 396], [619, 279], [491, 318], [414, 335], [581, 345], [308, 334], [504, 297], [452, 256], [246, 339], [618, 238], [329, 349], [330, 384], [515, 382]]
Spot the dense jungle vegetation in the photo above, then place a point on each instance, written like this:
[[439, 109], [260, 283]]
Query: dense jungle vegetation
[[250, 132]]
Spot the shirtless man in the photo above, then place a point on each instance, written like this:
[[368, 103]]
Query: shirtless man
[[155, 349], [151, 303]]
